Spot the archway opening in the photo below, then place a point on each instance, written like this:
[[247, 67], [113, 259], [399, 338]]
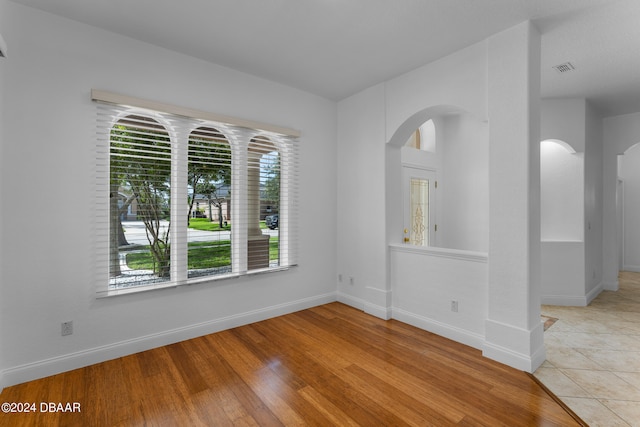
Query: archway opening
[[628, 207], [442, 176]]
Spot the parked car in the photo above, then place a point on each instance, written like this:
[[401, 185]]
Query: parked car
[[271, 221]]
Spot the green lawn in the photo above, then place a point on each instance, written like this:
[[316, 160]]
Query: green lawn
[[201, 255], [205, 225]]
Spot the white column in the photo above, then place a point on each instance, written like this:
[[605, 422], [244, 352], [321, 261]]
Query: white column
[[239, 139], [179, 211], [610, 235], [513, 329], [253, 193]]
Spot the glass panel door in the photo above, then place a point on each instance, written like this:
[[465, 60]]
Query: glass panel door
[[419, 212]]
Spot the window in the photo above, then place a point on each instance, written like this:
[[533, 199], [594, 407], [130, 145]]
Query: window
[[209, 184], [140, 169], [184, 198]]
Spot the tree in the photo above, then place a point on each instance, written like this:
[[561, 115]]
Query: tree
[[141, 163], [271, 175], [209, 163], [210, 191], [122, 239]]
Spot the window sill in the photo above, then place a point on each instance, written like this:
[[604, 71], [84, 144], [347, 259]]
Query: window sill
[[189, 282]]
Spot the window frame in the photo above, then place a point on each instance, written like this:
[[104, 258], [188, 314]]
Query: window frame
[[112, 108]]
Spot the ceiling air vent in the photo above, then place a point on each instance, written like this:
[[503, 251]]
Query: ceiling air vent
[[563, 68]]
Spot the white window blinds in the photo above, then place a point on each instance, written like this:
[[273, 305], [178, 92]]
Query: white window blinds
[[182, 200]]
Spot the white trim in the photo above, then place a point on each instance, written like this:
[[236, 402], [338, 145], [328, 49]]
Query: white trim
[[571, 300], [67, 362], [611, 286], [515, 360], [115, 98], [593, 293], [411, 165], [431, 325], [525, 349], [441, 252], [378, 311], [633, 268], [564, 300], [351, 301]]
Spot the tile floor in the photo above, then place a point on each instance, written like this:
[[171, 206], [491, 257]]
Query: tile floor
[[593, 356]]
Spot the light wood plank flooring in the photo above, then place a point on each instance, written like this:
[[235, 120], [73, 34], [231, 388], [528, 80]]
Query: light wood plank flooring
[[329, 365]]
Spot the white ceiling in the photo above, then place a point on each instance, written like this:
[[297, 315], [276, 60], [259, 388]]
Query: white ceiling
[[335, 48]]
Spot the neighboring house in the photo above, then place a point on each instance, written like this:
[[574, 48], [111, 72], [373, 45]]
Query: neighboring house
[[204, 207], [132, 209]]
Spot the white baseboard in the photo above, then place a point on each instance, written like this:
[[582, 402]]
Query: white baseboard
[[67, 362], [351, 301], [379, 311], [514, 346], [448, 331], [378, 302], [634, 268], [571, 300], [516, 360], [611, 286], [564, 300], [593, 293]]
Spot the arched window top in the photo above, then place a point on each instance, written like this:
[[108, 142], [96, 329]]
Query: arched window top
[[209, 160], [423, 138], [138, 143], [209, 154], [262, 145], [210, 134], [428, 136]]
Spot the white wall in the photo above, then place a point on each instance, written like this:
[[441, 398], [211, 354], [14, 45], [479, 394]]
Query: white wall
[[564, 119], [48, 134], [630, 175], [563, 266], [361, 252], [426, 280], [464, 220], [562, 193]]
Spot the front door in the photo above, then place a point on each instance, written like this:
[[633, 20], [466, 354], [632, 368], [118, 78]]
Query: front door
[[419, 211]]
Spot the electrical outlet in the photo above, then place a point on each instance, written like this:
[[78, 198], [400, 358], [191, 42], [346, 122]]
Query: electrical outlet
[[351, 280], [67, 328], [454, 306]]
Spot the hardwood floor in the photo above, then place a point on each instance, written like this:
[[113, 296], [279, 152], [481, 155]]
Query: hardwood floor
[[329, 365]]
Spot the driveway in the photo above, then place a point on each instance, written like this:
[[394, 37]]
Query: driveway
[[135, 233]]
